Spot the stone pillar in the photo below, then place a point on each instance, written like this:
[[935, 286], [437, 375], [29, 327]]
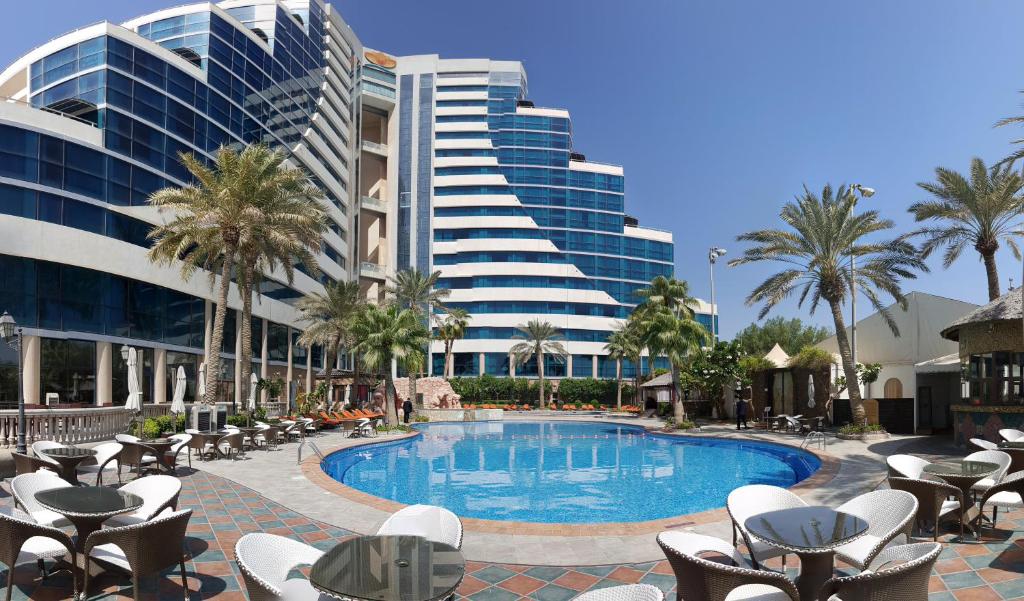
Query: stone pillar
[[31, 358], [290, 372], [264, 358], [568, 365], [104, 373], [160, 376], [594, 371], [483, 363], [511, 366], [240, 398]]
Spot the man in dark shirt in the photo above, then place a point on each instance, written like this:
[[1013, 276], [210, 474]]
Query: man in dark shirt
[[407, 409], [741, 413]]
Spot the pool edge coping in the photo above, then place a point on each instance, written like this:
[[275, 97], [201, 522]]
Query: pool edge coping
[[314, 473]]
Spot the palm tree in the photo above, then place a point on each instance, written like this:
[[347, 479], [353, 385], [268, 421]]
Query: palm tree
[[418, 292], [670, 293], [539, 338], [980, 211], [452, 328], [676, 337], [330, 317], [823, 234], [384, 334], [625, 343]]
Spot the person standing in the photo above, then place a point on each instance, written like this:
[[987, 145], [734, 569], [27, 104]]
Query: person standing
[[407, 409], [741, 413]]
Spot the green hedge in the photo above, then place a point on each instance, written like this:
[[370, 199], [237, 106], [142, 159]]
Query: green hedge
[[154, 427], [487, 388]]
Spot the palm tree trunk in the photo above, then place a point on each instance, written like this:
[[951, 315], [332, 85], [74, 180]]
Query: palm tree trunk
[[618, 389], [213, 361], [448, 346], [246, 358], [391, 412], [540, 373], [992, 272], [355, 377], [678, 410], [330, 360], [849, 369]]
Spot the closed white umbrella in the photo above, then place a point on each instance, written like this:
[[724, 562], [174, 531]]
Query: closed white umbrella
[[201, 385], [178, 402], [810, 390], [134, 401], [253, 381]]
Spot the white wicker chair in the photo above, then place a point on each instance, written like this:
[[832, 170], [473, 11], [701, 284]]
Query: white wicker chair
[[889, 514], [626, 592], [997, 457], [983, 444], [748, 501], [1008, 494], [41, 445], [432, 523], [26, 541], [106, 460], [905, 580], [906, 466], [24, 489], [181, 443], [701, 579], [1011, 434], [265, 561], [157, 492]]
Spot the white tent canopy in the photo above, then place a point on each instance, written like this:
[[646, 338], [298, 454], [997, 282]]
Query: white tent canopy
[[777, 356]]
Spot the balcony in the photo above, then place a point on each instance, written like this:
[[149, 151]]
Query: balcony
[[372, 271], [376, 148], [373, 204]]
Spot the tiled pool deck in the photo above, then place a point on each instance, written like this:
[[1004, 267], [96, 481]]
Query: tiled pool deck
[[992, 568]]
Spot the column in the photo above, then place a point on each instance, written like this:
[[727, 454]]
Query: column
[[31, 366], [160, 376], [483, 363], [240, 398], [290, 372], [104, 373], [568, 365], [594, 371]]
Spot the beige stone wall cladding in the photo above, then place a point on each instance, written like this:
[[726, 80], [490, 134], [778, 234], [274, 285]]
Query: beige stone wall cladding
[[432, 389], [990, 336]]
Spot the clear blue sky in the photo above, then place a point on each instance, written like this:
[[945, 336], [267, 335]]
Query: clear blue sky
[[721, 110]]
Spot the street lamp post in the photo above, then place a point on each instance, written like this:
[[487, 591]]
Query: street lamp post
[[864, 192], [714, 253], [13, 335]]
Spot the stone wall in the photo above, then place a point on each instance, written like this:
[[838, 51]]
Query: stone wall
[[436, 392]]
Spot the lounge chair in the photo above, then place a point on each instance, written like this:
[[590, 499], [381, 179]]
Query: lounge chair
[[432, 523], [889, 514], [898, 573], [701, 579], [933, 501], [747, 501], [266, 560]]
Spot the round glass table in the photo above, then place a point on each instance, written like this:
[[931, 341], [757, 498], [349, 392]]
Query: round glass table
[[963, 474], [161, 446], [69, 458], [812, 533], [389, 568], [87, 507]]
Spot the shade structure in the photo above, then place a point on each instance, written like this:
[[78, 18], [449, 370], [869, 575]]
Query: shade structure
[[134, 400], [253, 381], [810, 390], [201, 384], [178, 402]]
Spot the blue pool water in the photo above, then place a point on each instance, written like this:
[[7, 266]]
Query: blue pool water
[[567, 472]]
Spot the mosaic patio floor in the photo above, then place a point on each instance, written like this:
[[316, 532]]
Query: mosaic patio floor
[[992, 568]]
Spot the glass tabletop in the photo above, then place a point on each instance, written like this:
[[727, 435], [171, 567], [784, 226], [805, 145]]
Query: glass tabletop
[[88, 500], [69, 452], [809, 528], [960, 467], [389, 568]]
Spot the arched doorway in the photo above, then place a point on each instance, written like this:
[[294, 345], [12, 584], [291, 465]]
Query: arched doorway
[[893, 389]]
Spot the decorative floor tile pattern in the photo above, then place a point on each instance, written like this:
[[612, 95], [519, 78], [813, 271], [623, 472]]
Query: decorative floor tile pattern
[[992, 568]]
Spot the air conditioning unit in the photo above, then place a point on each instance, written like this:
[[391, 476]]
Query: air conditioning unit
[[52, 398]]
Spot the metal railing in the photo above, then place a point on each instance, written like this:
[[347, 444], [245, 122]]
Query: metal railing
[[19, 101]]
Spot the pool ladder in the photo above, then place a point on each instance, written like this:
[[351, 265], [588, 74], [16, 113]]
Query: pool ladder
[[812, 438], [313, 446]]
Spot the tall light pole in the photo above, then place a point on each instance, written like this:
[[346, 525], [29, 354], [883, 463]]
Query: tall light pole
[[864, 192], [13, 335], [713, 254]]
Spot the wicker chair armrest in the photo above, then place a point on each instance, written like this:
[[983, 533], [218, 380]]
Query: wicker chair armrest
[[115, 457], [776, 579], [1014, 482]]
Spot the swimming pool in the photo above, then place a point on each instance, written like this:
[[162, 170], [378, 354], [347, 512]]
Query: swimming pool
[[564, 472]]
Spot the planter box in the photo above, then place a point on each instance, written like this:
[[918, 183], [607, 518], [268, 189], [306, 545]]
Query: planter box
[[870, 436], [443, 415], [484, 415]]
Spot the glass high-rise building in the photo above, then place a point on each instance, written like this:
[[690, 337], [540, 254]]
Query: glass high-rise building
[[425, 163]]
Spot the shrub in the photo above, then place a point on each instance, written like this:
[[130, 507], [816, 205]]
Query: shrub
[[421, 418], [238, 419], [861, 429], [150, 428], [812, 357], [670, 425]]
